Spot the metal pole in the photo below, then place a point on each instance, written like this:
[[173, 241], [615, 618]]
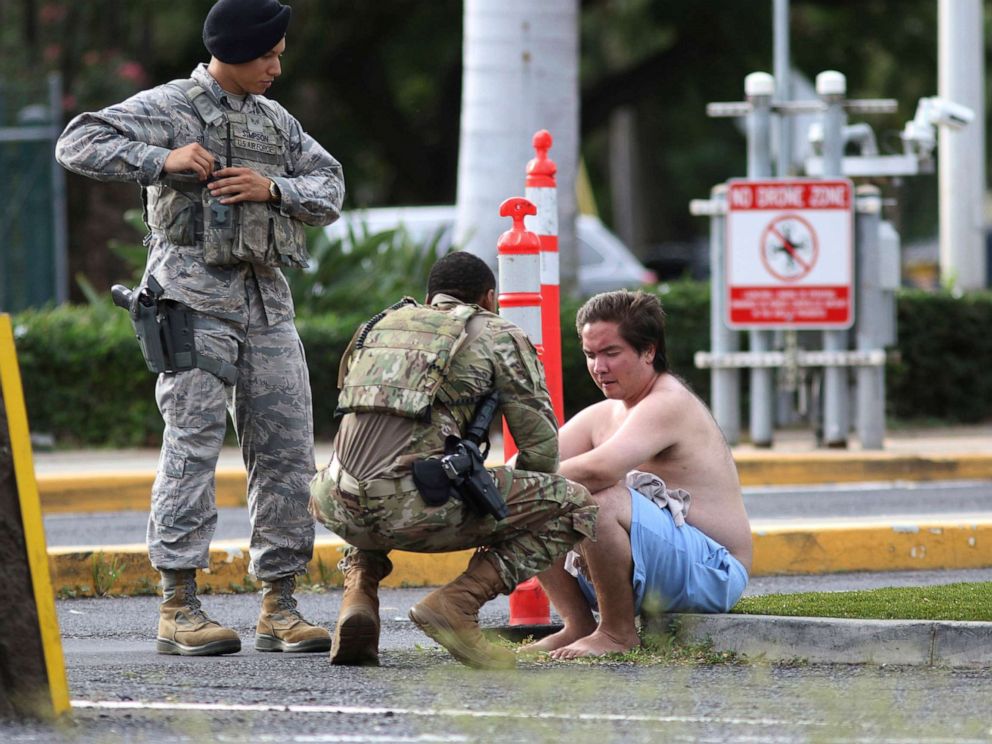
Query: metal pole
[[785, 409], [961, 78], [783, 88], [759, 88], [871, 313], [831, 86], [724, 383], [59, 221]]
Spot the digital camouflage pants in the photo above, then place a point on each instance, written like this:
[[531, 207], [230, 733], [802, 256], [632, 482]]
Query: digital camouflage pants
[[273, 418], [547, 516]]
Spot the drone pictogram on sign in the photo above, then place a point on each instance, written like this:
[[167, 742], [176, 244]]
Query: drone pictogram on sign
[[789, 247]]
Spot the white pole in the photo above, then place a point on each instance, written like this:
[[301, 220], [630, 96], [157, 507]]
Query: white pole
[[961, 79]]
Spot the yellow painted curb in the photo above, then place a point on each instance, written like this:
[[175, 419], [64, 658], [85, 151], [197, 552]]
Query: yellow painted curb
[[131, 491], [102, 492], [837, 548], [783, 549], [86, 571], [793, 468]]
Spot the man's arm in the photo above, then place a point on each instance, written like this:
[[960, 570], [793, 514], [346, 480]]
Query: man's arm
[[314, 192], [128, 141], [524, 400], [648, 429]]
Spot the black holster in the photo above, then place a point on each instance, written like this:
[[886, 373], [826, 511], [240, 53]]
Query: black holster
[[164, 329]]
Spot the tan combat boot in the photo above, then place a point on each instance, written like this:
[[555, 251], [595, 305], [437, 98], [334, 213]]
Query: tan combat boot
[[356, 635], [281, 627], [450, 615], [183, 627]]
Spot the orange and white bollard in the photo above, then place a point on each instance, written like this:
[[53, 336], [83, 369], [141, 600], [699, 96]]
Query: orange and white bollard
[[542, 190], [518, 257], [518, 253]]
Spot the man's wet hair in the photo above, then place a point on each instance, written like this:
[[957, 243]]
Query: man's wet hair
[[639, 317], [462, 275]]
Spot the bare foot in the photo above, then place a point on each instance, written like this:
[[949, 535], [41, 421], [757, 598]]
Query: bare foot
[[568, 634], [597, 643]]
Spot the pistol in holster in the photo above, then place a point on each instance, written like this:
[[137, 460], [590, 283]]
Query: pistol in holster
[[461, 471], [164, 329]]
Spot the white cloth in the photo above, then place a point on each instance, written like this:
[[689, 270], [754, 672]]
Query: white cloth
[[653, 488]]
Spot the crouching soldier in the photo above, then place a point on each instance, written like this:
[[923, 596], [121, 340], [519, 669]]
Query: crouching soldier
[[418, 387]]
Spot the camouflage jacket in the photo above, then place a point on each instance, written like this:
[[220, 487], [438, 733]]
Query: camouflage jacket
[[496, 355], [130, 141]]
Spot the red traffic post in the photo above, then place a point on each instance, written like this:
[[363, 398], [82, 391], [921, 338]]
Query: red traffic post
[[542, 190], [518, 254], [518, 258]]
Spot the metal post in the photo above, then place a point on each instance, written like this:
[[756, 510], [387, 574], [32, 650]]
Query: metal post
[[758, 89], [831, 86], [785, 408], [961, 78], [59, 221], [783, 89], [724, 383], [871, 316]]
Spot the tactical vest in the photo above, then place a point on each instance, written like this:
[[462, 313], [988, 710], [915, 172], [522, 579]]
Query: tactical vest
[[399, 359], [256, 232]]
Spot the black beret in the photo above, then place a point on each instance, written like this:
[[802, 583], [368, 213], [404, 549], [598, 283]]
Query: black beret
[[239, 31]]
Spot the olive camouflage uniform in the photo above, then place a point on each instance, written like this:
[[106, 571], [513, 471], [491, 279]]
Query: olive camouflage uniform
[[243, 315], [382, 509]]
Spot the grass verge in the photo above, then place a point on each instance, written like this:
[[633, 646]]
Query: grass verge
[[965, 601]]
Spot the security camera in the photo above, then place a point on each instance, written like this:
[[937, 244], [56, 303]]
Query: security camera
[[918, 135], [947, 113]]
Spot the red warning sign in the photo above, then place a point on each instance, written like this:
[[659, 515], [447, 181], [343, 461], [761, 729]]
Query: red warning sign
[[790, 254]]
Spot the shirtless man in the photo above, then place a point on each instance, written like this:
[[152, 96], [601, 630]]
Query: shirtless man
[[651, 422]]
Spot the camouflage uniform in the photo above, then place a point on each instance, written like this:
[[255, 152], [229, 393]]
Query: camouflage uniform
[[547, 513], [243, 316]]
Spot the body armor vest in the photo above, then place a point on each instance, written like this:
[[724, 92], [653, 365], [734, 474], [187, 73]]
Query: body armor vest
[[399, 359], [256, 232]]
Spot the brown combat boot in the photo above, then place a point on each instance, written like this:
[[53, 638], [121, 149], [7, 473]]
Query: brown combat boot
[[183, 627], [450, 615], [281, 627], [356, 635]]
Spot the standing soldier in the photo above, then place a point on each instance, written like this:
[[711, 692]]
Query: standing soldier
[[228, 179], [407, 472]]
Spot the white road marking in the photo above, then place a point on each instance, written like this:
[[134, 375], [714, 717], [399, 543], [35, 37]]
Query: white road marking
[[427, 712]]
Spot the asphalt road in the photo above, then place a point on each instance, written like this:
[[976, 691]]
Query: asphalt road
[[858, 502], [123, 691]]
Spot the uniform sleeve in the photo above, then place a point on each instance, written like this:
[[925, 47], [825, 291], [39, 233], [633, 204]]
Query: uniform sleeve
[[314, 191], [128, 141], [525, 401]]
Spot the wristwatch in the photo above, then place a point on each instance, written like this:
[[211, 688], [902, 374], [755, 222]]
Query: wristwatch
[[274, 191]]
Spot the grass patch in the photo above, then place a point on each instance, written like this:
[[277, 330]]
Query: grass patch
[[964, 601], [655, 648]]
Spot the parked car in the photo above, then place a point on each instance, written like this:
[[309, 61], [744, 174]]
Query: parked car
[[605, 263]]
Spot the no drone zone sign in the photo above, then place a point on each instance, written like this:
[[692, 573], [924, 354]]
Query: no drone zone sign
[[790, 254]]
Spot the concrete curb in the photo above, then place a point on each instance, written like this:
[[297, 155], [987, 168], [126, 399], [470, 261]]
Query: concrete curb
[[796, 548], [127, 492], [836, 546], [124, 570], [843, 641], [791, 468]]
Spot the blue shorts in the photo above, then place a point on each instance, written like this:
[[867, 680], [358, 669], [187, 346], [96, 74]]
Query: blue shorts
[[676, 569]]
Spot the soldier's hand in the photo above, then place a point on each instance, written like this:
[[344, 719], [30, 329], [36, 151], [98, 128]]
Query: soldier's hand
[[235, 185], [192, 157]]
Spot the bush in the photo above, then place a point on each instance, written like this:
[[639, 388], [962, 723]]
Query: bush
[[945, 344], [85, 381], [84, 378]]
